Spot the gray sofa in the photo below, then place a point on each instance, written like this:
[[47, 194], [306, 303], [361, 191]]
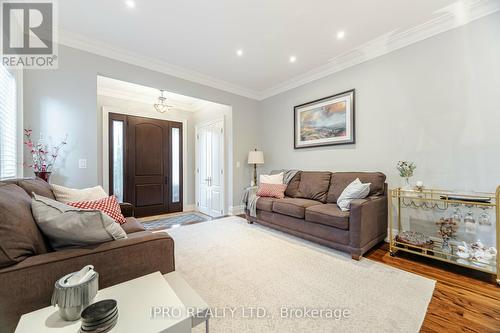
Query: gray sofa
[[309, 211], [29, 267]]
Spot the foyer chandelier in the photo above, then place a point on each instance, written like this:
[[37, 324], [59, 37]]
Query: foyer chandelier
[[162, 105]]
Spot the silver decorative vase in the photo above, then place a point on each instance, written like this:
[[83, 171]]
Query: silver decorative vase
[[73, 300]]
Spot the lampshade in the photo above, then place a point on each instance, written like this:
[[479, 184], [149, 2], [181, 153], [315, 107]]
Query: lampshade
[[255, 157]]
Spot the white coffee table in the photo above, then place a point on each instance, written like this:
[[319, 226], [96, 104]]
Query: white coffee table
[[137, 300]]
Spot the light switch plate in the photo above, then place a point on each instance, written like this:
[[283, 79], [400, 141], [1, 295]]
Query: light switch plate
[[82, 163], [238, 164]]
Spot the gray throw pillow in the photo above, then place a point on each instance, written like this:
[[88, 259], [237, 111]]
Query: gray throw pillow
[[65, 226]]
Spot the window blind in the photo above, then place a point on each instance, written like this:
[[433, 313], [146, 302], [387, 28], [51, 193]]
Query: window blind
[[8, 124]]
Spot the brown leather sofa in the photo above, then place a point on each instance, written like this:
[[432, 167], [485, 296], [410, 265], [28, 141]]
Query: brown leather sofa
[[29, 268], [309, 211]]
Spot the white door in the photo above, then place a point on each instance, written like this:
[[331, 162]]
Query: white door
[[210, 169], [203, 143]]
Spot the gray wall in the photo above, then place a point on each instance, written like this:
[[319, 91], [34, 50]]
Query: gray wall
[[65, 101], [435, 102]]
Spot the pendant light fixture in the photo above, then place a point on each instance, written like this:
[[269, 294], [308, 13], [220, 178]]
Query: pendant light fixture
[[162, 105]]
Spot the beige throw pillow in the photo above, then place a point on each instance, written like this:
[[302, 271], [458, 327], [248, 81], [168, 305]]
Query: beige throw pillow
[[65, 226], [66, 194], [271, 179]]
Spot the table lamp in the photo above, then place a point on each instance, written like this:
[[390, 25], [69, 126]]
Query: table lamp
[[255, 157]]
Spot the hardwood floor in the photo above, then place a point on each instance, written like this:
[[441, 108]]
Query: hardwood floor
[[463, 300]]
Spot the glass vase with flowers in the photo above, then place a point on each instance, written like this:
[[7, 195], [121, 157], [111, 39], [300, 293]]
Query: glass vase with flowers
[[43, 156], [406, 170]]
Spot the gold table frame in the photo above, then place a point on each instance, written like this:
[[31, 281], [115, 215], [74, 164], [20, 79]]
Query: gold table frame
[[433, 199]]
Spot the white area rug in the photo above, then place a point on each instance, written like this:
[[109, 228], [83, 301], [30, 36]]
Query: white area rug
[[240, 267]]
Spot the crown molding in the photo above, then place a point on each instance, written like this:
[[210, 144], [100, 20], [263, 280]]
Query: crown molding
[[450, 17], [80, 42]]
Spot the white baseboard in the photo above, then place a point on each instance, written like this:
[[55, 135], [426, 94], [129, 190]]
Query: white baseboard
[[236, 210], [189, 208]]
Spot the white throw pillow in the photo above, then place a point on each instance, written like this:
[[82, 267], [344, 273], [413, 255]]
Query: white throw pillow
[[65, 225], [272, 179], [355, 190], [66, 194]]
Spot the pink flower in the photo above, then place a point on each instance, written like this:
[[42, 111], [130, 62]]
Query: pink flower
[[44, 157]]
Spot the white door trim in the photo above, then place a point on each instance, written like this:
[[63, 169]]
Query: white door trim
[[106, 110], [224, 161]]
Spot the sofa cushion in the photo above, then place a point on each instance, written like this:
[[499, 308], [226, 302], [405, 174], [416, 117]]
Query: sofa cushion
[[67, 194], [353, 191], [314, 185], [37, 186], [19, 234], [340, 180], [328, 214], [108, 206], [271, 179], [132, 225], [293, 206], [271, 190], [293, 186], [66, 226], [265, 203]]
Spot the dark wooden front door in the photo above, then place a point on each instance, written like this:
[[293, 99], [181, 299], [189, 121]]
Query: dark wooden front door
[[153, 176]]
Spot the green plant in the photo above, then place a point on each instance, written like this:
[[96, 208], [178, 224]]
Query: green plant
[[406, 168]]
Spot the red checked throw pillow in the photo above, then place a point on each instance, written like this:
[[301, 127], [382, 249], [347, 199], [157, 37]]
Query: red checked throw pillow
[[272, 190], [108, 206]]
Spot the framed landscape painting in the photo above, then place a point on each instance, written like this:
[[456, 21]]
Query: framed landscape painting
[[324, 122]]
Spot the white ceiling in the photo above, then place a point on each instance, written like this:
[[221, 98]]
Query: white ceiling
[[201, 37], [147, 95]]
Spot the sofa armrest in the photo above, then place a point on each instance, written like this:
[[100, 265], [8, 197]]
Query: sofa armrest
[[28, 285], [368, 220], [127, 209]]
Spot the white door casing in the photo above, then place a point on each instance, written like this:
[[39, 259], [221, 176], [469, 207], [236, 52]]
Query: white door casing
[[210, 167]]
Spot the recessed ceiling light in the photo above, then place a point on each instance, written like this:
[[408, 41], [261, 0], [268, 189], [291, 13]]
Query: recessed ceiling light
[[293, 59], [130, 3], [239, 53], [341, 34]]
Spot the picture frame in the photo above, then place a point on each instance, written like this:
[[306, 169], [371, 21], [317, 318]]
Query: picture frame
[[325, 122]]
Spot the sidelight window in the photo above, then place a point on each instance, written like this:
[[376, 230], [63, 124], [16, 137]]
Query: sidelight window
[[176, 161], [118, 159]]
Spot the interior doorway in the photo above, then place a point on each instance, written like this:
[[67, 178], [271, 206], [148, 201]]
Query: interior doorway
[[210, 173], [145, 163], [128, 99]]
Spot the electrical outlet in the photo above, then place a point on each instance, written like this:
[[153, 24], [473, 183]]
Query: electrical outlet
[[82, 163]]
